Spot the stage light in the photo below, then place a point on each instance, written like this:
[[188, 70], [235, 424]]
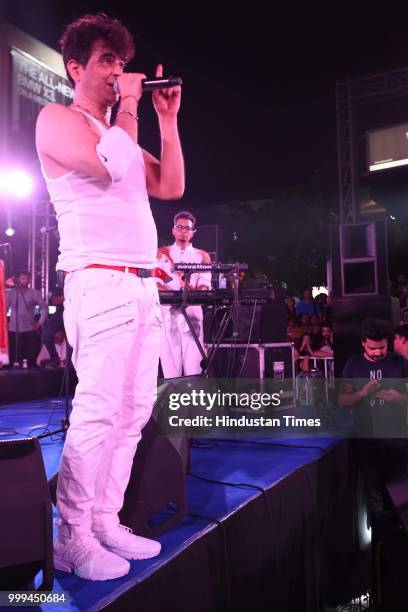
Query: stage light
[[9, 231], [317, 290], [19, 184], [15, 183]]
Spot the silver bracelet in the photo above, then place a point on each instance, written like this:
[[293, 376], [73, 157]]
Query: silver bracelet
[[134, 115]]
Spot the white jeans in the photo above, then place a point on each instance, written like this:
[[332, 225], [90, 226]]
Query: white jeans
[[179, 353], [113, 323]]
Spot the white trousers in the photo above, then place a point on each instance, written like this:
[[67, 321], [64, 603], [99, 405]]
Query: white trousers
[[179, 354], [113, 323]]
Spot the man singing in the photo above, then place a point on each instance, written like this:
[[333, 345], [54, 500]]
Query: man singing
[[179, 353], [99, 179]]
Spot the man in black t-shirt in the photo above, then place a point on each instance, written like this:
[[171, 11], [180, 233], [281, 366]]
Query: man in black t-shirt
[[375, 387]]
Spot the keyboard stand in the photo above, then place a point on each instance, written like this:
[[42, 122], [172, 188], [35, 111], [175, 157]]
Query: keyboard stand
[[231, 313], [183, 310]]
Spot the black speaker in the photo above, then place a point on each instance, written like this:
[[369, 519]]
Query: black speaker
[[390, 549], [398, 492], [239, 362], [348, 315], [359, 258], [236, 362], [257, 322], [208, 238], [26, 545], [155, 498], [390, 578]]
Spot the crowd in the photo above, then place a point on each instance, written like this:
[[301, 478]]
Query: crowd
[[309, 326], [309, 323], [36, 337]]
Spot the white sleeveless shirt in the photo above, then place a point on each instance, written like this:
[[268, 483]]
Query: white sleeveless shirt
[[101, 222]]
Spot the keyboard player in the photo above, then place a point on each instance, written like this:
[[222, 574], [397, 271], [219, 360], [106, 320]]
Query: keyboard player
[[179, 353]]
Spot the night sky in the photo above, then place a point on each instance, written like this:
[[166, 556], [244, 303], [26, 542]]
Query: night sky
[[258, 103], [258, 109]]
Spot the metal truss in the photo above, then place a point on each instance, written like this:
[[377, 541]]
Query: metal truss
[[42, 218], [350, 95]]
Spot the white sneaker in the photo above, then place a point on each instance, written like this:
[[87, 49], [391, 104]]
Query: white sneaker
[[122, 541], [88, 559]]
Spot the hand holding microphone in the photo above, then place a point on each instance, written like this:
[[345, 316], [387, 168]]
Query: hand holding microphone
[[151, 84], [129, 84], [166, 100], [166, 91]]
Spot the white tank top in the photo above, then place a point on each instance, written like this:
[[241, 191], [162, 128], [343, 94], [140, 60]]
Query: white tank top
[[104, 223]]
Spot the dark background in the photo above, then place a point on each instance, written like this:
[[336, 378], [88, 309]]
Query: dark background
[[258, 115]]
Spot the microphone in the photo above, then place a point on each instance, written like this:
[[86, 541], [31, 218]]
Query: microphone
[[47, 230], [150, 84], [5, 244]]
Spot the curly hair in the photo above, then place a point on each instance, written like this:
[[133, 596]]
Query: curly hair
[[376, 329], [79, 37]]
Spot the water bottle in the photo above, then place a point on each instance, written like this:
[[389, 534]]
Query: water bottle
[[25, 364], [279, 370], [314, 386], [222, 281]]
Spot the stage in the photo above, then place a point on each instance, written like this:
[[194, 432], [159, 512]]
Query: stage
[[272, 528]]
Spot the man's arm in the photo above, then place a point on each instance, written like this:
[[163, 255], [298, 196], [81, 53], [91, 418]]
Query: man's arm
[[165, 262], [393, 395], [165, 177], [38, 301], [348, 397], [43, 309], [65, 139]]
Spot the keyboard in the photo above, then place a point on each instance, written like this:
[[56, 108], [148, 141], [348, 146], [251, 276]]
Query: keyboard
[[219, 297]]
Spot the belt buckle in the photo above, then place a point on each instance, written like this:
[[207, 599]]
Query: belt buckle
[[144, 273]]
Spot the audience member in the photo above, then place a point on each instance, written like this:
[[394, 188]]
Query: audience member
[[325, 347], [401, 340], [402, 288], [302, 326], [54, 323], [24, 339], [44, 358], [374, 386], [307, 304], [290, 307]]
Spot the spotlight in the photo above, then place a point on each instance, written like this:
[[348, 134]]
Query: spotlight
[[9, 231], [16, 183], [19, 184]]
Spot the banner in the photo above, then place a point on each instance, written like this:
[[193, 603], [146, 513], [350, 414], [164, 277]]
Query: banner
[[33, 86]]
